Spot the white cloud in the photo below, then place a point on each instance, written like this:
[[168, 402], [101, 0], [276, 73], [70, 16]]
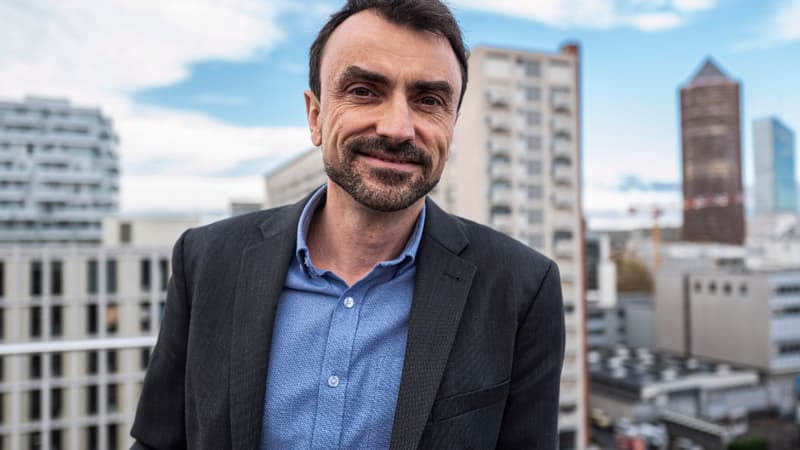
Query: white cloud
[[99, 53], [781, 27], [644, 15]]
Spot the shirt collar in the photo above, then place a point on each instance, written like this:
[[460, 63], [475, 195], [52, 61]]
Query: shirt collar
[[409, 253]]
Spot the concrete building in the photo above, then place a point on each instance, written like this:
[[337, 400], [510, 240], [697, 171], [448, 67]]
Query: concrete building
[[515, 166], [699, 312], [773, 241], [77, 322], [59, 171], [296, 178], [775, 177], [698, 400], [713, 209]]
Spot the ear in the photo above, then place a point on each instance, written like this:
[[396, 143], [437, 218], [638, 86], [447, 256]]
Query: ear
[[313, 116]]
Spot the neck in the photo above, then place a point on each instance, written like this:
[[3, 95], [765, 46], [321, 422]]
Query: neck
[[348, 238]]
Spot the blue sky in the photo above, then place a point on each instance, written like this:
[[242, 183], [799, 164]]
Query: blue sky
[[223, 103]]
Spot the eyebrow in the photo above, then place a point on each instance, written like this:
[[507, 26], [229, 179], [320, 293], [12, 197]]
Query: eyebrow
[[356, 73]]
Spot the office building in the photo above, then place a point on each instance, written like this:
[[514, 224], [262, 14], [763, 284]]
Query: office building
[[59, 171], [77, 322], [773, 241], [713, 202], [515, 165], [775, 177], [702, 313]]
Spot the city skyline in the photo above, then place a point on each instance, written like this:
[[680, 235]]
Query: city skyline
[[194, 100]]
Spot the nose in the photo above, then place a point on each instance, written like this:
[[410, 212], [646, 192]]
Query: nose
[[396, 123]]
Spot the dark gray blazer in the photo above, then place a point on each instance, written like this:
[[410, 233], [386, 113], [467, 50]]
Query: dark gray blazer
[[483, 357]]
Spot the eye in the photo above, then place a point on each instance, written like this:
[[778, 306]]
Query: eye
[[430, 100], [361, 91]]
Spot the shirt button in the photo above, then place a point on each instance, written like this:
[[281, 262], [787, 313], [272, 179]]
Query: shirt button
[[333, 381], [349, 302]]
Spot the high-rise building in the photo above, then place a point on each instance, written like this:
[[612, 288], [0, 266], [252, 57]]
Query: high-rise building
[[59, 171], [713, 202], [77, 322], [776, 183], [514, 166]]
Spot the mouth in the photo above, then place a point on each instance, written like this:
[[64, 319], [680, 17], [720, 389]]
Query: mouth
[[389, 161]]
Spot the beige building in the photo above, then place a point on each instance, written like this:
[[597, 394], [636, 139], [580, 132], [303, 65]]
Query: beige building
[[77, 322], [515, 166]]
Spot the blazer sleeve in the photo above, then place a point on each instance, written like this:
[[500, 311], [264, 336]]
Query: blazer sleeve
[[159, 422], [530, 420]]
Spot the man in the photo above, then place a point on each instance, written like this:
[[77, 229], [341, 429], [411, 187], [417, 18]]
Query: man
[[364, 316]]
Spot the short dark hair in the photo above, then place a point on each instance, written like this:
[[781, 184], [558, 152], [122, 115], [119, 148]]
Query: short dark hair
[[421, 15]]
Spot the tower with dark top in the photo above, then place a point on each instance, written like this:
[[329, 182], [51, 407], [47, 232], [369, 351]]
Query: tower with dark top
[[713, 199]]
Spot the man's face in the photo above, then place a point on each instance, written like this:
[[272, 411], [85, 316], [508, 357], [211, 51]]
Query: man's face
[[387, 110]]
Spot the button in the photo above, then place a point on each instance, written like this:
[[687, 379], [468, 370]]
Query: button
[[349, 302], [333, 381]]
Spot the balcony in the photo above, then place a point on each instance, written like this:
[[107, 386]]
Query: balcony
[[561, 102], [500, 171], [563, 148], [501, 197], [564, 199], [66, 176], [501, 222], [15, 174], [498, 98], [562, 174], [499, 122], [564, 222], [562, 126], [500, 147], [564, 248]]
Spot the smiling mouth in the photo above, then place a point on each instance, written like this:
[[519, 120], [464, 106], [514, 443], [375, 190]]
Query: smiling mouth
[[389, 159]]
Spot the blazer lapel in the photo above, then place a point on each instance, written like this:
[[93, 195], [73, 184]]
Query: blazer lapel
[[261, 278], [442, 283]]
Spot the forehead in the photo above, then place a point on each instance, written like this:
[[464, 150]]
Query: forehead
[[369, 41]]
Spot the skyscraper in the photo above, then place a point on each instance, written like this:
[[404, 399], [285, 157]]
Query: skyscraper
[[59, 171], [776, 183], [515, 166], [713, 206]]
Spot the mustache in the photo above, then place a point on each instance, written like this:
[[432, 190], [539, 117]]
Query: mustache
[[379, 147]]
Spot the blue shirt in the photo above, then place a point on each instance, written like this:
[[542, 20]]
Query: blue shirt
[[337, 351]]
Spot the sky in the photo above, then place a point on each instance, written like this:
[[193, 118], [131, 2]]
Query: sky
[[207, 95]]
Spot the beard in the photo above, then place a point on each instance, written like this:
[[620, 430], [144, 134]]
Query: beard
[[382, 189]]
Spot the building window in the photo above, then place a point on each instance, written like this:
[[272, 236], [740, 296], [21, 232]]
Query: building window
[[112, 435], [533, 118], [91, 318], [56, 321], [111, 361], [91, 362], [36, 321], [111, 276], [125, 233], [112, 318], [91, 399], [163, 273], [56, 440], [35, 366], [55, 402], [743, 289], [712, 287], [532, 68], [144, 317], [144, 358], [144, 274], [726, 288], [56, 278], [35, 440], [56, 367], [698, 287], [111, 399], [2, 280], [532, 94], [36, 278], [35, 405], [91, 276], [91, 438]]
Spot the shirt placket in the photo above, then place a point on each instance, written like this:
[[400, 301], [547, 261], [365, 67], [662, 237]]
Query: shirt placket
[[333, 376]]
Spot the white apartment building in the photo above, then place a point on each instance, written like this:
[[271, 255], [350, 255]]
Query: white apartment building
[[515, 165], [59, 171], [77, 322]]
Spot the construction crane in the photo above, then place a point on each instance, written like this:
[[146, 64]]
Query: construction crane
[[656, 213]]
